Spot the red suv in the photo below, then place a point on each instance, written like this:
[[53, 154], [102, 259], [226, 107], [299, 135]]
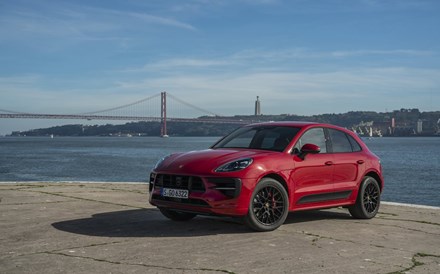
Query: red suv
[[260, 172]]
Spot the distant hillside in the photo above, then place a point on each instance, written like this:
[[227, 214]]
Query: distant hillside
[[407, 122]]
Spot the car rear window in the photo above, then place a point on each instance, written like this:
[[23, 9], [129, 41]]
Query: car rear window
[[340, 142], [343, 142]]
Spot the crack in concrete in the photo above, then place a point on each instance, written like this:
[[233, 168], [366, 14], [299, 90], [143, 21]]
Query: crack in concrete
[[60, 253], [84, 246], [415, 263], [64, 249], [140, 264], [318, 237], [404, 271]]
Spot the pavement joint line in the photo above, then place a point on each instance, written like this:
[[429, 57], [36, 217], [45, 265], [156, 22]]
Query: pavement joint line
[[401, 227], [79, 184], [23, 188], [85, 199], [38, 203], [385, 213], [65, 249], [122, 190], [138, 264], [408, 220]]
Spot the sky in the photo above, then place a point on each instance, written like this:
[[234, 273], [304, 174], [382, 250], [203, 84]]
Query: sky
[[301, 57]]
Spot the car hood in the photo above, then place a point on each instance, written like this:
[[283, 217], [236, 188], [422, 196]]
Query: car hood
[[205, 161]]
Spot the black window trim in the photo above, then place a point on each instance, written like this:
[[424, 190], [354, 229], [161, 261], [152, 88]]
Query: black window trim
[[330, 141], [326, 136]]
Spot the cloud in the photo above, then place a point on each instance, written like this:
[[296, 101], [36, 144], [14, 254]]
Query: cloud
[[401, 52], [188, 62], [78, 22], [313, 92], [263, 60], [146, 18]]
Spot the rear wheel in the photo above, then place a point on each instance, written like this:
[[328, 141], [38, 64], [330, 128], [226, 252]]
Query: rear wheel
[[269, 206], [177, 215], [368, 200]]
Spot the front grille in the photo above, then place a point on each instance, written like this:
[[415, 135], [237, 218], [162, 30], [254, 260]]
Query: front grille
[[191, 183]]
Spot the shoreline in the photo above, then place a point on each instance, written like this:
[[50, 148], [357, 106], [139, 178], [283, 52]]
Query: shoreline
[[146, 183]]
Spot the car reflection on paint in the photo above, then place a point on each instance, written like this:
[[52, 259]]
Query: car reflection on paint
[[261, 172]]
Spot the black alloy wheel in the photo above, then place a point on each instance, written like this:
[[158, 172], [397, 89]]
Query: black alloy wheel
[[268, 207], [368, 200]]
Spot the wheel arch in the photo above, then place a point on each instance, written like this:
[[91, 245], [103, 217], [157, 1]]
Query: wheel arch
[[376, 176], [280, 179]]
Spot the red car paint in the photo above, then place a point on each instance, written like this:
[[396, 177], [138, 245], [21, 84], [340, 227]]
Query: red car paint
[[312, 181]]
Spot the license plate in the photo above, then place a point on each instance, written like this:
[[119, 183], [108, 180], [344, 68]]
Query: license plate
[[174, 193]]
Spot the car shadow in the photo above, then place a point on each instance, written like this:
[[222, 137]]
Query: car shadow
[[315, 215], [147, 223], [151, 223]]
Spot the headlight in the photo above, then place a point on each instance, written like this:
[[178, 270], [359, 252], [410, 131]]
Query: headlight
[[235, 165], [160, 161]]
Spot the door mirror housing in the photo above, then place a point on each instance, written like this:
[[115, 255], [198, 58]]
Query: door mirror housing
[[308, 149]]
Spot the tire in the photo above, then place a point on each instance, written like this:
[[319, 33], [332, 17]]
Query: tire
[[268, 207], [177, 215], [368, 200]]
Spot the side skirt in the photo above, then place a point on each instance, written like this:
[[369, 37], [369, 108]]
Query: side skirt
[[315, 198]]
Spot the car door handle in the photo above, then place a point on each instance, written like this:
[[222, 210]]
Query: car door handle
[[360, 162], [328, 163]]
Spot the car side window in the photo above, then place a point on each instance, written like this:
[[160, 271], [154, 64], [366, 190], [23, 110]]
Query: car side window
[[340, 141], [314, 136]]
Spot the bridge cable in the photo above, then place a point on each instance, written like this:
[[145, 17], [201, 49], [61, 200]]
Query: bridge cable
[[123, 106], [192, 106], [13, 112]]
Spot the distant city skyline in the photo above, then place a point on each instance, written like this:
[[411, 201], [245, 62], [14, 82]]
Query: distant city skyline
[[300, 57]]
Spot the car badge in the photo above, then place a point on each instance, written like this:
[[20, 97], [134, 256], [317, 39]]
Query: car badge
[[178, 181]]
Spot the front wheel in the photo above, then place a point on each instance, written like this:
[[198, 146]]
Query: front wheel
[[177, 215], [269, 206], [368, 200]]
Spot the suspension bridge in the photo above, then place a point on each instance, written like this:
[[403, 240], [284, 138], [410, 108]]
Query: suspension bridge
[[161, 107]]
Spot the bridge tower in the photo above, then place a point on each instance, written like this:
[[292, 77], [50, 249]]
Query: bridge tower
[[163, 114]]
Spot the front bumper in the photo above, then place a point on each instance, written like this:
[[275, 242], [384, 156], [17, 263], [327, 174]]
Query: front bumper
[[224, 196]]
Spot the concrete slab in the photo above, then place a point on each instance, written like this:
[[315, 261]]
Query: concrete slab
[[103, 228]]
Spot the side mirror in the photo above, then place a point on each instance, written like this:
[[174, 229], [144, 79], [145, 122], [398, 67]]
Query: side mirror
[[308, 149]]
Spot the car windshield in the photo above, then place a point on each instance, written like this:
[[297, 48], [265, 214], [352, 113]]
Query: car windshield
[[275, 138]]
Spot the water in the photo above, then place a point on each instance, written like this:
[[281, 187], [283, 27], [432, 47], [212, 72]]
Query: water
[[411, 165]]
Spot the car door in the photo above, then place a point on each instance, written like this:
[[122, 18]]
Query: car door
[[348, 161], [313, 175]]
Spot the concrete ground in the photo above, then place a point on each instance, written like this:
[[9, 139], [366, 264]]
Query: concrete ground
[[111, 228]]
